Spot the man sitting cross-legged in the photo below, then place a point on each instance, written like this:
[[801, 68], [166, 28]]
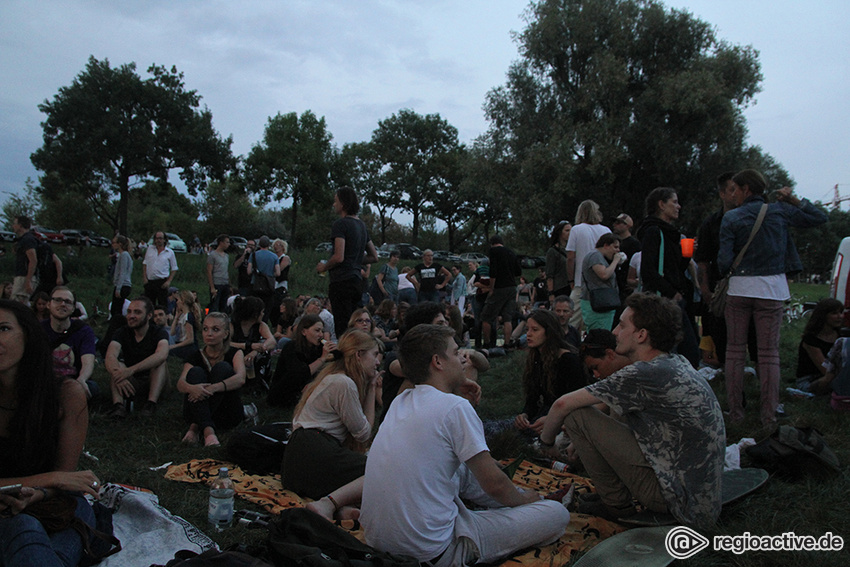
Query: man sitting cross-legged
[[136, 359], [663, 444], [429, 453], [72, 341]]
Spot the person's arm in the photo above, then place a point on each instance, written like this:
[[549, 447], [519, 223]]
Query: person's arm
[[497, 484], [447, 277], [188, 335], [317, 364], [559, 411], [276, 269], [32, 262], [268, 343], [57, 263], [702, 277], [167, 283], [86, 369], [571, 266], [380, 281], [194, 392], [649, 275], [210, 278], [371, 254], [336, 258], [605, 272]]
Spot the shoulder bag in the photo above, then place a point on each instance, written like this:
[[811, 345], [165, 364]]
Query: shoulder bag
[[717, 307]]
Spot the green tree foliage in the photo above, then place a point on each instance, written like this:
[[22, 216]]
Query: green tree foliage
[[293, 161], [159, 206], [363, 169], [419, 156], [817, 246], [111, 129], [614, 97], [227, 209], [26, 205]]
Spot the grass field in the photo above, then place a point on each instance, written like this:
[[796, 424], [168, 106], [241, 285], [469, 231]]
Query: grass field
[[128, 449]]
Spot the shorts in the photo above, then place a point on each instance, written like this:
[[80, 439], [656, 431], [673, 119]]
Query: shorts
[[501, 301]]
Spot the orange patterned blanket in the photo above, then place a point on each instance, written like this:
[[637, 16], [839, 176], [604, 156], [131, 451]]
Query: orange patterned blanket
[[582, 533]]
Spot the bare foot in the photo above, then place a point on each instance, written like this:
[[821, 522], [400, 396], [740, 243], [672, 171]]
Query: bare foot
[[323, 507], [211, 440], [191, 437]]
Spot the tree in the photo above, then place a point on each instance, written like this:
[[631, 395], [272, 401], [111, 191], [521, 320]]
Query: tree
[[110, 130], [366, 173], [26, 205], [293, 161], [416, 151], [227, 209], [614, 97]]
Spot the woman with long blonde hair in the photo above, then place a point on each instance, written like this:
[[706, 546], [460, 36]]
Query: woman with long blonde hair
[[332, 423]]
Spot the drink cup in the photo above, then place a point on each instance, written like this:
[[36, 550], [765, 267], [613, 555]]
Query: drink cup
[[687, 247]]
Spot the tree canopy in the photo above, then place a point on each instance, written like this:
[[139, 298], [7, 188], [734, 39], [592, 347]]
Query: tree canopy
[[611, 98], [294, 160], [111, 129]]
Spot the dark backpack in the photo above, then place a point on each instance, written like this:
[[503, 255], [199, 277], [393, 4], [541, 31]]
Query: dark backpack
[[299, 537], [795, 453], [259, 450]]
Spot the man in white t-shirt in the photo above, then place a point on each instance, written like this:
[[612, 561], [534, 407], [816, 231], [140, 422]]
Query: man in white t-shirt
[[583, 238], [429, 453]]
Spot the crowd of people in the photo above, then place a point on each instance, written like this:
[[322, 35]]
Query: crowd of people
[[405, 348]]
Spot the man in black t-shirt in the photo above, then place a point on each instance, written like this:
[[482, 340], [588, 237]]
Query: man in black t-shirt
[[432, 277], [26, 260], [504, 269], [135, 361], [540, 289]]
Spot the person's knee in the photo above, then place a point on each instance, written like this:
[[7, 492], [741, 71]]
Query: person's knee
[[196, 375]]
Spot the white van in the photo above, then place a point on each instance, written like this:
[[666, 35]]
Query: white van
[[839, 287]]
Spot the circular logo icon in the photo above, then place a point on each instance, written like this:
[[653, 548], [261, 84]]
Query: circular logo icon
[[683, 542]]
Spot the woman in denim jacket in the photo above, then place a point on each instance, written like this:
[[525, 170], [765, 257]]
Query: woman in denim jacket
[[759, 285]]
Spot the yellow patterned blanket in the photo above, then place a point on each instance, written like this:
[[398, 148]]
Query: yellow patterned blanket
[[582, 533]]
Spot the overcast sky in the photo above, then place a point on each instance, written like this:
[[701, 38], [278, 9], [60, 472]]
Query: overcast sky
[[357, 62]]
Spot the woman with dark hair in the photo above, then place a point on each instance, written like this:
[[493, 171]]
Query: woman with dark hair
[[252, 335], [40, 301], [332, 424], [300, 360], [211, 380], [385, 318], [352, 249], [820, 334], [662, 267], [552, 369], [758, 287], [599, 273], [557, 280], [43, 426]]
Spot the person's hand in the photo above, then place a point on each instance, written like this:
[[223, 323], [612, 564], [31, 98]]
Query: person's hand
[[550, 452], [677, 298], [85, 386], [327, 349], [28, 287], [322, 266], [213, 292], [538, 424], [249, 358], [469, 390], [572, 456], [117, 294], [121, 381], [198, 392], [521, 421], [165, 285], [77, 481], [13, 505]]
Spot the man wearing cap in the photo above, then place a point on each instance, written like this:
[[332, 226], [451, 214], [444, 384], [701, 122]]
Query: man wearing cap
[[160, 267], [622, 227]]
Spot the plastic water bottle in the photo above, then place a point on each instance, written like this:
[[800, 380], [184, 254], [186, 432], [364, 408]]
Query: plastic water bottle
[[221, 501]]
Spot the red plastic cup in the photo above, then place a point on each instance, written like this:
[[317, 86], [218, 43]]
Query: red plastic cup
[[687, 247]]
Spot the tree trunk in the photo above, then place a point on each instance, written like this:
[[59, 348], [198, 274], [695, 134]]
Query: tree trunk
[[294, 218], [123, 202]]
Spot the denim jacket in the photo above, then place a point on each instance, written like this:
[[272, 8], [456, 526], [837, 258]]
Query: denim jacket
[[772, 251]]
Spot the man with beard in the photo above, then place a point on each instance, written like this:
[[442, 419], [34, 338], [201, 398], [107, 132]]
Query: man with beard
[[135, 361], [71, 340]]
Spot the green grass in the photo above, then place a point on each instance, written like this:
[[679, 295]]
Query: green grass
[[128, 449]]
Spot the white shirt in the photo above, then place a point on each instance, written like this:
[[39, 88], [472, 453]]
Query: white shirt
[[583, 238], [159, 265]]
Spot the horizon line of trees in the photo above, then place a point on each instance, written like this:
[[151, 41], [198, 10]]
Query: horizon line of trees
[[609, 99]]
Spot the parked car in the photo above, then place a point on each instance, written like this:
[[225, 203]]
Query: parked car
[[475, 257], [531, 261], [48, 235], [7, 236], [75, 237], [324, 247], [446, 256], [406, 251]]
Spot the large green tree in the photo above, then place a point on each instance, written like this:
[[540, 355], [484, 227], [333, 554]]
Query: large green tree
[[293, 161], [363, 170], [111, 129], [418, 154], [611, 98]]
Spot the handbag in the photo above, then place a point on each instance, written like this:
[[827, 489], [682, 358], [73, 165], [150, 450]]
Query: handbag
[[604, 299], [262, 284], [717, 306]]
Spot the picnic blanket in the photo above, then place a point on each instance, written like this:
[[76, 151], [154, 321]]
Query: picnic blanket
[[582, 533], [149, 533]]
